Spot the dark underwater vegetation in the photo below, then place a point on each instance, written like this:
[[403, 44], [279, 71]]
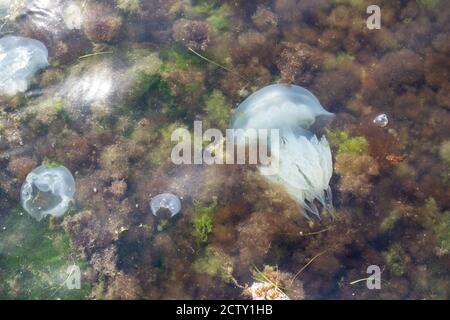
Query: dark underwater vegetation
[[117, 77]]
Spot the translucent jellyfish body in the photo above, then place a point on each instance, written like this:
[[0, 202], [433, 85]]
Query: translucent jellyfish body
[[305, 170], [20, 59], [279, 106], [4, 8], [47, 191], [167, 201], [305, 162]]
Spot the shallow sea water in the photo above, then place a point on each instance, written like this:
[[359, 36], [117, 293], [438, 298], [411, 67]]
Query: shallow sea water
[[124, 74]]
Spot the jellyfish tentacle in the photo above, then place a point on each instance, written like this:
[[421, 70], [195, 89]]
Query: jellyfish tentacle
[[306, 165]]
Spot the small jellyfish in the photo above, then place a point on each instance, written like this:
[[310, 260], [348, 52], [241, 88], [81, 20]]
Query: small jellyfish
[[47, 191], [381, 120], [20, 59], [167, 201]]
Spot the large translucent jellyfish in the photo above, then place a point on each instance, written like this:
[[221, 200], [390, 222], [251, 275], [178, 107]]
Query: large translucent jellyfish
[[47, 191], [305, 162], [20, 59], [279, 106], [167, 201]]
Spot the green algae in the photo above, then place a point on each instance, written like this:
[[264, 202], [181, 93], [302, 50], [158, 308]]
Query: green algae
[[178, 58], [437, 222], [34, 260], [52, 163], [131, 6], [154, 88], [353, 3], [160, 154], [219, 18], [396, 259], [345, 144], [217, 14], [218, 112], [429, 4], [444, 152], [162, 225], [388, 223], [203, 221], [215, 263], [333, 62]]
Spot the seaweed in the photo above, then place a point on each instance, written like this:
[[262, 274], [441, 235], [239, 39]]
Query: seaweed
[[34, 260], [342, 141], [203, 221], [215, 263]]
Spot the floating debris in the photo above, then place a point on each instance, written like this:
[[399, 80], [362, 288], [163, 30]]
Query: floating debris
[[396, 158], [381, 120], [167, 201], [272, 284], [20, 59], [266, 291], [47, 191]]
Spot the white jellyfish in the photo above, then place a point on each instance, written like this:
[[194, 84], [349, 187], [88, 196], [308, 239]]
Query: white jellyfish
[[47, 191], [20, 59], [167, 201], [305, 162], [4, 8], [279, 106]]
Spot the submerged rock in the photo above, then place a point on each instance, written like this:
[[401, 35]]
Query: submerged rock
[[45, 19], [20, 59], [193, 34], [298, 63], [47, 191]]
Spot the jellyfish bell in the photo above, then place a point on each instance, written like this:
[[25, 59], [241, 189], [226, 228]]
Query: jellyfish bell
[[47, 191], [167, 201], [20, 59], [305, 163], [279, 106]]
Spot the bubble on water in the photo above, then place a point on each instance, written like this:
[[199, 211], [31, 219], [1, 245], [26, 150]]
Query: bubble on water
[[167, 201], [381, 120]]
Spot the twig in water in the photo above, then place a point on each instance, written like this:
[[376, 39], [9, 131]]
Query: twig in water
[[306, 265], [94, 54], [314, 233], [217, 64]]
